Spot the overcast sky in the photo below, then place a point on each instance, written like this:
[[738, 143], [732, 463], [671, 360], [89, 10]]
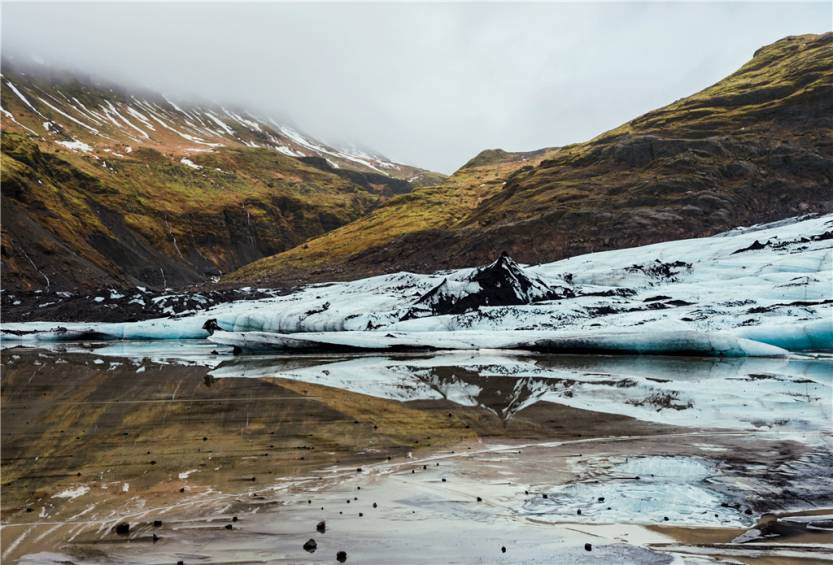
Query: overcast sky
[[426, 84]]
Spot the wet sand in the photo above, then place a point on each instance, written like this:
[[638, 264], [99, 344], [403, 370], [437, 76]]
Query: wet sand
[[91, 442]]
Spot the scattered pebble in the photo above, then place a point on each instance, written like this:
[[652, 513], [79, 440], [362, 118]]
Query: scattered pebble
[[588, 547], [310, 546], [321, 526], [341, 556]]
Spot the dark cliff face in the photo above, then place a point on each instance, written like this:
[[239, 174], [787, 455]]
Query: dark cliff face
[[755, 147]]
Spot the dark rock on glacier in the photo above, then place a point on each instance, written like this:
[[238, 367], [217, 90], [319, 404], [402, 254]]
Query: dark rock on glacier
[[310, 546], [502, 283]]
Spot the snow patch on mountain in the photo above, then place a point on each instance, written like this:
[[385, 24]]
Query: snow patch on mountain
[[76, 145], [190, 164]]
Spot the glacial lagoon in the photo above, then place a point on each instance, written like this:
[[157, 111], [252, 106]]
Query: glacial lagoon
[[471, 456]]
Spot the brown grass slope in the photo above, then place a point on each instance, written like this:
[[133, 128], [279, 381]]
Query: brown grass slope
[[757, 146]]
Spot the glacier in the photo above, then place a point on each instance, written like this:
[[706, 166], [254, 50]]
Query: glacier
[[764, 290]]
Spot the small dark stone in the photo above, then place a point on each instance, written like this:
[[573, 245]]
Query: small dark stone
[[123, 528], [229, 526], [180, 563], [748, 512], [443, 479], [182, 489], [588, 547], [601, 499], [310, 546], [30, 509], [153, 462], [359, 470], [479, 499], [578, 511], [361, 515], [665, 518], [375, 505], [341, 556], [321, 526], [157, 523], [155, 538], [546, 495], [234, 518], [503, 549]]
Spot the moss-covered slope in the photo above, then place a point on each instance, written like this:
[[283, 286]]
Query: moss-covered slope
[[102, 186]]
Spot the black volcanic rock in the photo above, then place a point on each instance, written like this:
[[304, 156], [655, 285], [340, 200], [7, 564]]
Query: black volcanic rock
[[310, 546], [502, 283]]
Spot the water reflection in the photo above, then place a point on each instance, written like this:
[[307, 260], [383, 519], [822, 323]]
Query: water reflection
[[112, 429]]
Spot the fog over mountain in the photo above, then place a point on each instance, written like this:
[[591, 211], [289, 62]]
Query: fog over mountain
[[427, 84]]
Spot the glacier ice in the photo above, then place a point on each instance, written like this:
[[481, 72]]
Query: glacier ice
[[697, 296]]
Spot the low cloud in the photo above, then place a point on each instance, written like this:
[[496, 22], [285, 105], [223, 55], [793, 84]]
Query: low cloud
[[426, 84]]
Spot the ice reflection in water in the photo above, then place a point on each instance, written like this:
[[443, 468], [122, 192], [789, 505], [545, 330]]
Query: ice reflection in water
[[749, 393]]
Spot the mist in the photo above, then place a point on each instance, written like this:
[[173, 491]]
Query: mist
[[425, 84]]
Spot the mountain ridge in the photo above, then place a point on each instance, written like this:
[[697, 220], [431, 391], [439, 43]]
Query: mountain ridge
[[104, 187], [754, 147]]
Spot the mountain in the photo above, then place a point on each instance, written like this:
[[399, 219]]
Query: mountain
[[104, 185], [755, 147]]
